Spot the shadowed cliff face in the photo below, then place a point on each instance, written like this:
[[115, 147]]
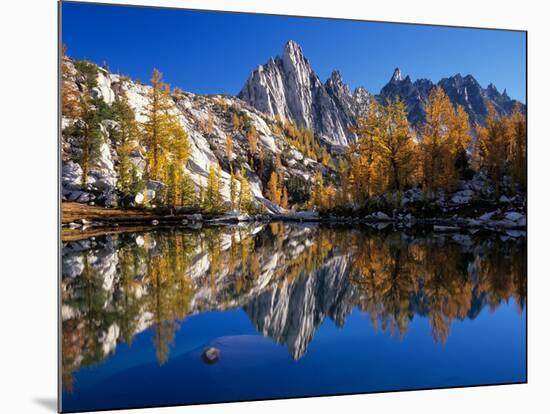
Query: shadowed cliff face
[[288, 279]]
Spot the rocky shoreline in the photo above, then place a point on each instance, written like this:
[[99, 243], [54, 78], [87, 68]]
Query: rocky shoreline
[[80, 220]]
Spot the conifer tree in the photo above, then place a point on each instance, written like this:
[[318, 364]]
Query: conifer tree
[[436, 144], [236, 121], [517, 138], [229, 148], [363, 157], [125, 137], [90, 136], [187, 193], [284, 198], [213, 202], [70, 96], [179, 152], [210, 124], [491, 147], [245, 195], [345, 189], [233, 190], [252, 138], [158, 127], [274, 192], [317, 195], [137, 185], [171, 185], [395, 146], [460, 141]]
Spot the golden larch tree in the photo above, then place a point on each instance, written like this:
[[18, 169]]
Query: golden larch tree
[[492, 147], [273, 190], [156, 130], [395, 147], [252, 137]]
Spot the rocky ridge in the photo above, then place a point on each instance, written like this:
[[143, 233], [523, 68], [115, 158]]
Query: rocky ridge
[[289, 87], [207, 142]]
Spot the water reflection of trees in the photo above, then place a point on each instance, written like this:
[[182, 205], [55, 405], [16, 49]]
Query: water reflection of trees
[[119, 286], [397, 279]]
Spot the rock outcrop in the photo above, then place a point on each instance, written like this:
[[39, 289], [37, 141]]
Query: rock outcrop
[[461, 90], [207, 121], [288, 86]]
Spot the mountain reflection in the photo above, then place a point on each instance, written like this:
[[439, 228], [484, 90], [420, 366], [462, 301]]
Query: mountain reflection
[[287, 278]]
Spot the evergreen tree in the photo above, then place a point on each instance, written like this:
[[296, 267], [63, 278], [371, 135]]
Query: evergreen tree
[[90, 136], [124, 137], [137, 184], [187, 193]]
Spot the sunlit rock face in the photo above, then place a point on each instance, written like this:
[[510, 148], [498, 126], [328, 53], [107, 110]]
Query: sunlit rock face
[[207, 121], [288, 86]]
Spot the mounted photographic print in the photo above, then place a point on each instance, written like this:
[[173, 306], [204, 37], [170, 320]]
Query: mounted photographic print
[[263, 206]]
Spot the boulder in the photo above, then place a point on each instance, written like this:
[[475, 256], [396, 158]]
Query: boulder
[[211, 355], [517, 218], [232, 216], [308, 215], [71, 176], [193, 217], [462, 197], [138, 199], [487, 216]]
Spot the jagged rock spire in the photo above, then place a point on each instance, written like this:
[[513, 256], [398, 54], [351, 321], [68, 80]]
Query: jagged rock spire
[[396, 77], [289, 87]]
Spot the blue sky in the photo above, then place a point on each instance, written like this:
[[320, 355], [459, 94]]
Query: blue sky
[[209, 52]]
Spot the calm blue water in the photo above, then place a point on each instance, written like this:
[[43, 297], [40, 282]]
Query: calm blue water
[[299, 350]]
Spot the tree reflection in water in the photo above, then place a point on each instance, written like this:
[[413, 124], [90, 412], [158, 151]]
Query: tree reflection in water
[[287, 278]]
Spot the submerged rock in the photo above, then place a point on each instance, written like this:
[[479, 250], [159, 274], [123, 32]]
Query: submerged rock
[[211, 355]]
